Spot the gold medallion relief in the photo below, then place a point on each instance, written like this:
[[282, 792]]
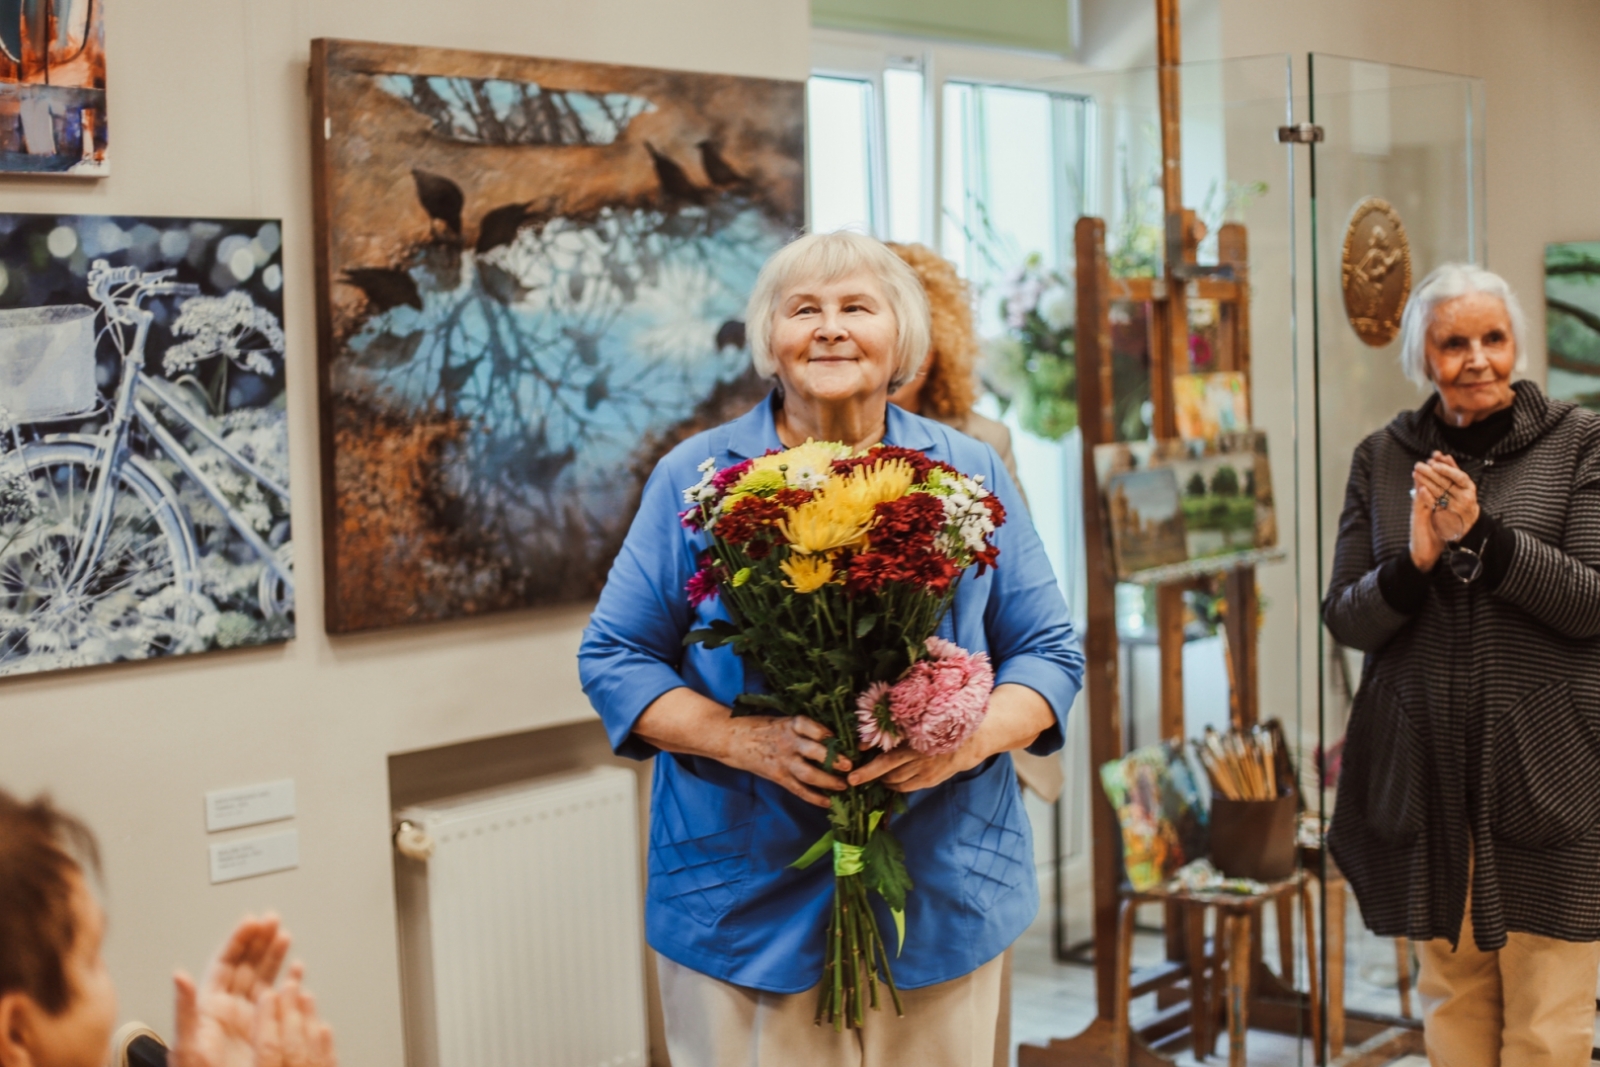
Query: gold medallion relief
[[1376, 271]]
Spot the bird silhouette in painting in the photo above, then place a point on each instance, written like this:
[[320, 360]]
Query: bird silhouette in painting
[[730, 335], [384, 287], [453, 377], [501, 226], [596, 391], [718, 172], [674, 182], [441, 198]]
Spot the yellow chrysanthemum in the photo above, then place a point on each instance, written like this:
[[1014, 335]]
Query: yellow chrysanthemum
[[825, 523], [807, 574], [869, 486], [841, 513], [807, 466]]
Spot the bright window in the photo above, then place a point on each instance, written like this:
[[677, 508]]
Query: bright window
[[839, 140]]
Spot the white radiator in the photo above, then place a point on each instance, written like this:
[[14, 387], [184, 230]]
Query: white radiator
[[520, 936]]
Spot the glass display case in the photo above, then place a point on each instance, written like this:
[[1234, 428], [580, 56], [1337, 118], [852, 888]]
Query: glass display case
[[1413, 139]]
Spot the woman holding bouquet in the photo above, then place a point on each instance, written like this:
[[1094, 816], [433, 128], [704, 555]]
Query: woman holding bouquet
[[742, 931]]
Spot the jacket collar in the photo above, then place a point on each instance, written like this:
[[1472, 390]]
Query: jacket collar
[[756, 432], [1532, 415]]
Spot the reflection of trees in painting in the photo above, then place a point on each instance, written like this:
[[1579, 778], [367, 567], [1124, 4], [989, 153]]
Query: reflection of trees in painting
[[538, 287], [1572, 321]]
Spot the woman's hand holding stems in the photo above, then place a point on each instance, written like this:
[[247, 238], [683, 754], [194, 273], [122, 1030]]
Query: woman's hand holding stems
[[789, 750]]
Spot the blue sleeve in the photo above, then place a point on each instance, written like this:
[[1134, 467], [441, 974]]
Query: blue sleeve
[[1031, 639], [633, 645]]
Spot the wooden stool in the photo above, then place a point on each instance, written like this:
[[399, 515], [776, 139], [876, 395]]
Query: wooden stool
[[1231, 965]]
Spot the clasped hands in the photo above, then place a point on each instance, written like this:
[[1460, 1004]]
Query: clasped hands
[[239, 1017], [790, 751], [1437, 479]]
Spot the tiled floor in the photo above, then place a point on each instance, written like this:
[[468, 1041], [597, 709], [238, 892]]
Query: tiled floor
[[1051, 1000]]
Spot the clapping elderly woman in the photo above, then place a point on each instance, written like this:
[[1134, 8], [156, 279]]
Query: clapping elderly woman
[[1468, 570], [839, 322]]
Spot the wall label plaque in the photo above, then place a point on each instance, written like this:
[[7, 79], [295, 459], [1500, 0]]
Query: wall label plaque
[[1375, 271]]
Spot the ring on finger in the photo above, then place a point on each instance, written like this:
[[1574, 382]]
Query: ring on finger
[[1442, 503]]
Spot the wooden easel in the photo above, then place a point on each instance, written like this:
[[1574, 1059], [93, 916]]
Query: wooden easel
[[1167, 297]]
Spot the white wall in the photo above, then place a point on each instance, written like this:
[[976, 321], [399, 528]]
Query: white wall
[[209, 118]]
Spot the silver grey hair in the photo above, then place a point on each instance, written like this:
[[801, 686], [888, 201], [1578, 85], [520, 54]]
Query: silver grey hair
[[1446, 282], [827, 257]]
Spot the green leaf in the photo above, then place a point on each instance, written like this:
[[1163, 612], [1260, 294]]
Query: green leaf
[[719, 633], [865, 624], [842, 659], [885, 869], [822, 848], [838, 814], [759, 704], [899, 929]]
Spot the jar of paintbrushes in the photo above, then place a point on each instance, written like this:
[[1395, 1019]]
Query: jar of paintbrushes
[[1254, 802]]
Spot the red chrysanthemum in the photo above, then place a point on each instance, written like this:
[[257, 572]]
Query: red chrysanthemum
[[918, 462], [749, 519], [908, 524]]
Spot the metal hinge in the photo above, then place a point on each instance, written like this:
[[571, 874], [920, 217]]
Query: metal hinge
[[1300, 133]]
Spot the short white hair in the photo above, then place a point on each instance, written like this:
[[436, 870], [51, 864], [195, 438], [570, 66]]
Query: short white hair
[[827, 257], [1442, 284]]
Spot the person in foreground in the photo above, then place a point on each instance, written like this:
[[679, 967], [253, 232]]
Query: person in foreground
[[839, 321], [57, 1002], [1468, 570]]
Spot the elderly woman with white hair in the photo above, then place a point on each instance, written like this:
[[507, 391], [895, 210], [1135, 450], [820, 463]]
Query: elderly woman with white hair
[[839, 321], [1468, 570]]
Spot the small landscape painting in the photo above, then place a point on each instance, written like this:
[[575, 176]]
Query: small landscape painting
[[1572, 321], [534, 275], [1197, 504], [144, 439], [53, 88]]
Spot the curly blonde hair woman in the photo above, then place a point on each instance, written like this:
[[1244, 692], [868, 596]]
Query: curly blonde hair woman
[[947, 385]]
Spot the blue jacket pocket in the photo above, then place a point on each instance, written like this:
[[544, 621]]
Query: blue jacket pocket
[[700, 835], [993, 840]]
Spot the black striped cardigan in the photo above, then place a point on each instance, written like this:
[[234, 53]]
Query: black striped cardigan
[[1475, 735]]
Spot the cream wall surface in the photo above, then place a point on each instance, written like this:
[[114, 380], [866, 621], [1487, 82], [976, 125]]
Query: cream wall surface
[[210, 119]]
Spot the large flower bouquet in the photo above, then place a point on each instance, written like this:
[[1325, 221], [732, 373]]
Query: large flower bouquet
[[835, 569]]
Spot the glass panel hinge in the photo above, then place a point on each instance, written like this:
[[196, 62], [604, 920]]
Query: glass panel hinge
[[1300, 133]]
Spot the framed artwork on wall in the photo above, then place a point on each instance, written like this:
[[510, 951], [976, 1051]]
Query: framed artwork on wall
[[532, 276], [144, 439], [53, 88], [1572, 321]]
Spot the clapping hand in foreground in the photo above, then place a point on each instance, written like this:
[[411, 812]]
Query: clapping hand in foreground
[[236, 1018]]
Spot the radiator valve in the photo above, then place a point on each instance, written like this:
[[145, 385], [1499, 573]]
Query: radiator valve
[[413, 842]]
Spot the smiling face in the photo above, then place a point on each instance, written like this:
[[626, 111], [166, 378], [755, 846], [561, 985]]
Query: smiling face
[[834, 343], [1471, 353]]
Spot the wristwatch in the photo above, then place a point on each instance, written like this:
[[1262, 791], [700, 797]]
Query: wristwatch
[[1466, 562]]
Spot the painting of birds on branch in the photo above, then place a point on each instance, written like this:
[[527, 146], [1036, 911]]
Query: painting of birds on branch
[[535, 274], [1572, 321]]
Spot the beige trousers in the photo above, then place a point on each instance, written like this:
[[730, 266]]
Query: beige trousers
[[711, 1023], [1530, 1004]]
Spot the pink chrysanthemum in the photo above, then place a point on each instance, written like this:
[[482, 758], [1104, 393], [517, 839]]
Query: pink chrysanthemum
[[876, 727], [939, 703]]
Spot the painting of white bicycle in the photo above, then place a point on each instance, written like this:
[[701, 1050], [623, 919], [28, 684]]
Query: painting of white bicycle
[[144, 446]]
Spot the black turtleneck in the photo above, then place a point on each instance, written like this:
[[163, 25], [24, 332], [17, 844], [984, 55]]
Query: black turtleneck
[[1404, 587], [1478, 438]]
